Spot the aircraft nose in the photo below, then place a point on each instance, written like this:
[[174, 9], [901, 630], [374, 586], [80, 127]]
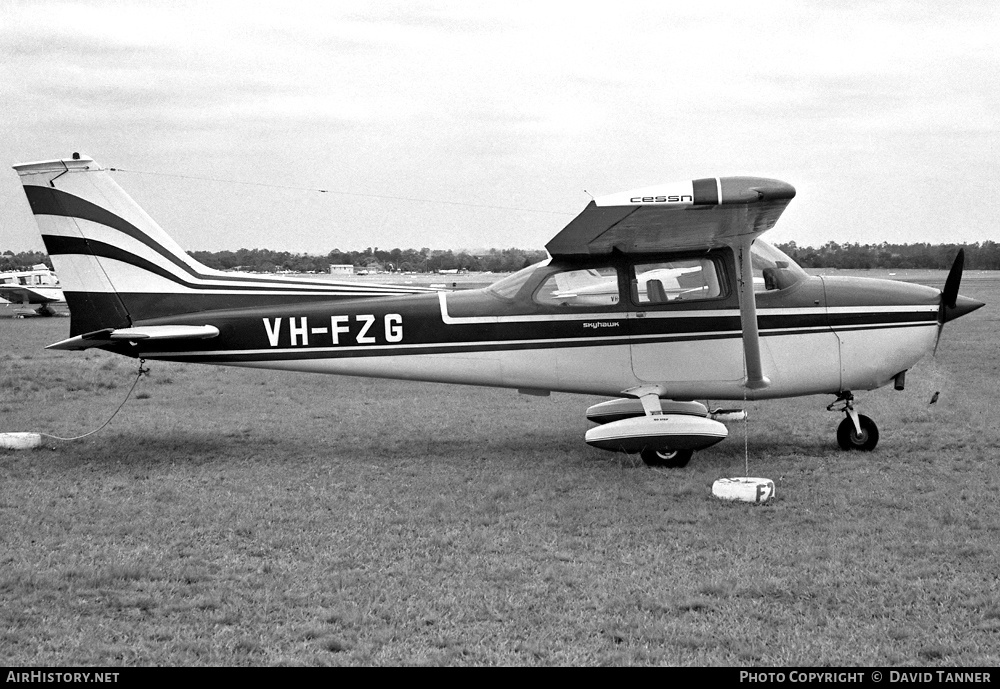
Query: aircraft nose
[[963, 305]]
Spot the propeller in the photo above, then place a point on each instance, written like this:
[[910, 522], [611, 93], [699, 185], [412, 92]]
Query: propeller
[[953, 306], [949, 295]]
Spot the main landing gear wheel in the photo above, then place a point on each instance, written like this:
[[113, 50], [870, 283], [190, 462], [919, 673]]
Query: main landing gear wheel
[[849, 439], [673, 459]]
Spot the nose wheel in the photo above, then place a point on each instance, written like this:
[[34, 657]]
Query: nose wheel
[[857, 431], [849, 438]]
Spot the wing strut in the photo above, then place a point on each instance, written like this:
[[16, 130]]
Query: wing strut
[[755, 379]]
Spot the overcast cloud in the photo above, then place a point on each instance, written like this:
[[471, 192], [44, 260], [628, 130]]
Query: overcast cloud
[[883, 115]]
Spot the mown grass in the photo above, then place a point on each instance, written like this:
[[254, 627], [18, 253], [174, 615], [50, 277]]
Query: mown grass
[[238, 517]]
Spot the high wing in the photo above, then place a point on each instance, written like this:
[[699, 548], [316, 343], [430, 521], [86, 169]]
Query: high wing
[[699, 214], [26, 295]]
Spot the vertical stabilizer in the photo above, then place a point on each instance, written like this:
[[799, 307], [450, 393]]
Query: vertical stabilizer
[[119, 268], [62, 194]]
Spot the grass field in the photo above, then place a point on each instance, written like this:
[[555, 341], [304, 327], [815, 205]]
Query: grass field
[[237, 517]]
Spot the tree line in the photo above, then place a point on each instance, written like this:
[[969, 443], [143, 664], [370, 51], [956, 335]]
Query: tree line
[[394, 260], [978, 256], [11, 262]]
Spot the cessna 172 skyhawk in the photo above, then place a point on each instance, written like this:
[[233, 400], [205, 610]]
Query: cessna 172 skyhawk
[[648, 294], [30, 287]]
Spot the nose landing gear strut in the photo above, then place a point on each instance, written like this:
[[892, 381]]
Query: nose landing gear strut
[[857, 431]]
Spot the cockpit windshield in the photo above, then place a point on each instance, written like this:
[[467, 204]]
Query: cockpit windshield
[[772, 268], [509, 286]]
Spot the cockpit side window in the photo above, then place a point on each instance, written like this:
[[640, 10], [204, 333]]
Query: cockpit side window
[[583, 288], [688, 279]]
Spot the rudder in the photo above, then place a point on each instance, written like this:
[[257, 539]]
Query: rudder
[[102, 244]]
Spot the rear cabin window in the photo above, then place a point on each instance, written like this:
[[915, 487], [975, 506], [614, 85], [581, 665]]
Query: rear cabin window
[[580, 288], [664, 282]]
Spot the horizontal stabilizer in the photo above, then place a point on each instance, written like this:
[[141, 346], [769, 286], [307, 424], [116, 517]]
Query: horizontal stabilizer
[[100, 338]]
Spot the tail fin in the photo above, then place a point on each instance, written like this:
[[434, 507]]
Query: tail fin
[[78, 233], [119, 268]]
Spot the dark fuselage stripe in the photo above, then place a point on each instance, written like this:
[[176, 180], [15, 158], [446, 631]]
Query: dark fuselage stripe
[[350, 351]]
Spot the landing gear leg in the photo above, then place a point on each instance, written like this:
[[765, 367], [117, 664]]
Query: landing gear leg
[[857, 431]]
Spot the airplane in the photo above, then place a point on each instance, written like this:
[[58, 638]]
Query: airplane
[[656, 297], [36, 286]]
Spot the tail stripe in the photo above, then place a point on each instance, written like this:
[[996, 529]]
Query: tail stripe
[[119, 268], [73, 246], [50, 201]]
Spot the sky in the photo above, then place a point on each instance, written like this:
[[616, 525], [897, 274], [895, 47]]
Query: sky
[[473, 125]]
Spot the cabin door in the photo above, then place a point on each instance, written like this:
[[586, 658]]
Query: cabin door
[[684, 327]]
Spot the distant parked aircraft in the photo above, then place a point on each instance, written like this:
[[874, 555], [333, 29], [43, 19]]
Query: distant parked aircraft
[[29, 287]]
